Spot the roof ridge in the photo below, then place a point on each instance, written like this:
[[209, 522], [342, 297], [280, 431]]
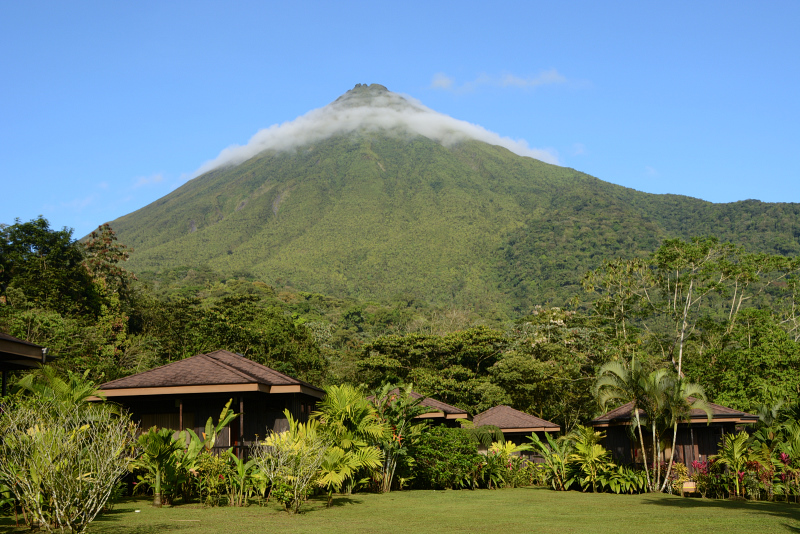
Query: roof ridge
[[229, 367], [264, 368]]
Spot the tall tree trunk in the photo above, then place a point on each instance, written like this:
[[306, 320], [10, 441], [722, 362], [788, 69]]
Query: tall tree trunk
[[671, 455], [641, 440], [656, 465]]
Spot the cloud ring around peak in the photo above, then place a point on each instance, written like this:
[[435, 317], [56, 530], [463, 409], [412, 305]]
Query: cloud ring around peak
[[389, 112]]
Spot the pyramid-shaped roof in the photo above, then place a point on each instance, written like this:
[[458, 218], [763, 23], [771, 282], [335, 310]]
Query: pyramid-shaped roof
[[218, 371], [443, 409], [507, 419], [719, 413]]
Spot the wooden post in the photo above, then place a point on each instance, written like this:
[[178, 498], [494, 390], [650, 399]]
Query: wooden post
[[180, 414], [241, 428]]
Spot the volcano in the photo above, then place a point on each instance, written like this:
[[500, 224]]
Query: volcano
[[376, 196]]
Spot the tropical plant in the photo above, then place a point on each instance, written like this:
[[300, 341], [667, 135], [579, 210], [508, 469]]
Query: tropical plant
[[397, 409], [622, 479], [590, 457], [446, 458], [45, 383], [62, 462], [556, 456], [241, 479], [351, 427], [292, 460], [159, 451], [734, 452], [620, 382], [211, 478]]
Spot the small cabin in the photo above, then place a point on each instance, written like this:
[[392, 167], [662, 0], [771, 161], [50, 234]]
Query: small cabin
[[697, 439], [184, 394], [515, 425], [440, 413]]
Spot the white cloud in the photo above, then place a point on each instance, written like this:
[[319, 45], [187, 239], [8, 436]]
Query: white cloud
[[78, 204], [578, 149], [442, 81], [148, 180], [650, 171], [385, 111], [446, 83]]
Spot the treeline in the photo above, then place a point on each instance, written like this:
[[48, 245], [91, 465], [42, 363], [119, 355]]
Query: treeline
[[725, 318]]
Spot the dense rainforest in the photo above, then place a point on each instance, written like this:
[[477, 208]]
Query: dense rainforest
[[725, 317]]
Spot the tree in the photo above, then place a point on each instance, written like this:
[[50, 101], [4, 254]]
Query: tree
[[663, 400], [619, 382], [47, 266]]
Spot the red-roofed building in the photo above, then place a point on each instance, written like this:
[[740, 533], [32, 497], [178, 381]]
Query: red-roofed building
[[186, 393]]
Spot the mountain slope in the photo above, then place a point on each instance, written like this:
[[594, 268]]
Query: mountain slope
[[380, 210]]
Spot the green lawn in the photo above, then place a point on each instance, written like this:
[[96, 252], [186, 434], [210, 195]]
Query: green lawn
[[499, 511]]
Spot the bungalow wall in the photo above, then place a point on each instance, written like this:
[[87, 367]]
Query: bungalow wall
[[693, 443], [260, 414]]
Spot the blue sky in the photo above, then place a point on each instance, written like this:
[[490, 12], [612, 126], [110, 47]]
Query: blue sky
[[107, 106]]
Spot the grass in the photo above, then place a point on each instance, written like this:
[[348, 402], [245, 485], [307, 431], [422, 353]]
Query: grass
[[500, 511]]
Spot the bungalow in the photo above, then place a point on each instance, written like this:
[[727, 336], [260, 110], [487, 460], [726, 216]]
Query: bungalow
[[515, 425], [16, 354], [184, 394], [696, 440], [440, 412]]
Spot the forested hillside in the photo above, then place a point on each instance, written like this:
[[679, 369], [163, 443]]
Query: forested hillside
[[727, 318]]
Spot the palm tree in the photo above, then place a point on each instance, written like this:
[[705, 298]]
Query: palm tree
[[618, 382], [158, 447], [352, 428], [681, 397], [663, 398]]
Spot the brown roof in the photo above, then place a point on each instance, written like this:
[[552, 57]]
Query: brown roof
[[17, 354], [622, 415], [218, 368], [18, 340], [445, 410], [507, 419]]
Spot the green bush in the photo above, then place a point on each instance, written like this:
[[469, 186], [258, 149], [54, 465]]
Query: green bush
[[446, 458]]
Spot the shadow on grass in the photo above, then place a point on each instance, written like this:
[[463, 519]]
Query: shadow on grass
[[786, 511]]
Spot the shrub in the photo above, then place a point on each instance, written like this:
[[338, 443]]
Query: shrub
[[62, 462], [446, 458]]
